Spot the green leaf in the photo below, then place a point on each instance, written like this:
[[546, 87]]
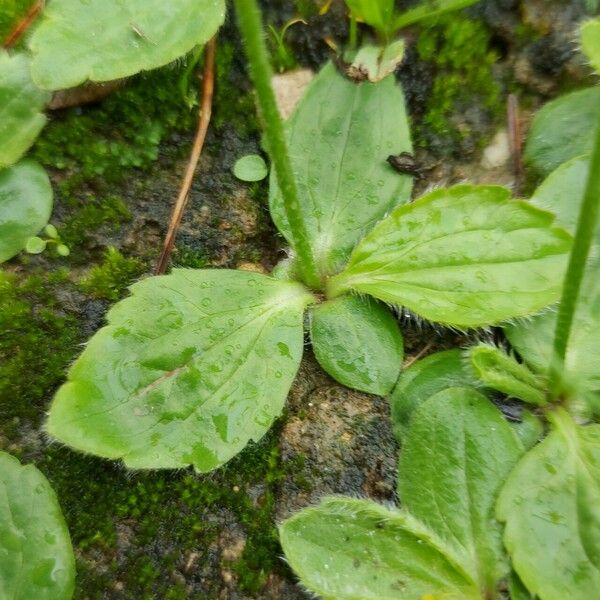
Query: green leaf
[[468, 256], [36, 558], [458, 451], [101, 41], [376, 13], [251, 167], [346, 549], [529, 429], [425, 378], [21, 106], [551, 507], [377, 61], [358, 342], [25, 205], [190, 368], [339, 139], [427, 9], [517, 590], [35, 245], [590, 42], [499, 371], [563, 129]]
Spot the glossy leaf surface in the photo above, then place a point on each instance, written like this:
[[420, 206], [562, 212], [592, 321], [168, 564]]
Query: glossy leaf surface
[[425, 378], [346, 549], [36, 558], [102, 40], [190, 368], [466, 256], [25, 205], [358, 342], [590, 42], [563, 129], [499, 371], [458, 451], [339, 139], [551, 507], [21, 106]]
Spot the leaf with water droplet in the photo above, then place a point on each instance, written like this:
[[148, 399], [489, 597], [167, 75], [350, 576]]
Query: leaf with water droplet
[[358, 342], [191, 389], [76, 41], [36, 558], [508, 262], [348, 549], [550, 505]]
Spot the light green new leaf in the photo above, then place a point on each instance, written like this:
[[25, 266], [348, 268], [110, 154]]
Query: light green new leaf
[[36, 558], [563, 129], [429, 8], [467, 256], [458, 451], [251, 167], [551, 507], [376, 61], [376, 13], [190, 368], [102, 40], [25, 205], [21, 105], [358, 342], [499, 371], [339, 139], [425, 378], [590, 42], [346, 549]]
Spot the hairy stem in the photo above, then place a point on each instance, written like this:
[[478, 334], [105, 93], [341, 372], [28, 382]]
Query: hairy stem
[[584, 235], [250, 23]]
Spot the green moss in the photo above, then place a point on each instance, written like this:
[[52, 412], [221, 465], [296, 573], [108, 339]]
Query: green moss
[[108, 280], [459, 49]]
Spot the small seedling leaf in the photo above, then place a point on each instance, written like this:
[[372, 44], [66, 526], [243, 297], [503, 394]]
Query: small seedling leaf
[[35, 245], [36, 557], [189, 369], [358, 342], [467, 256], [251, 167], [25, 206]]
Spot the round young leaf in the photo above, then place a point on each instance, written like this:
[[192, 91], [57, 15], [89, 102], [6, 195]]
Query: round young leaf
[[425, 378], [190, 368], [251, 167], [346, 549], [25, 205], [458, 451], [21, 105], [35, 245], [102, 40], [590, 42], [36, 558], [563, 129], [551, 507], [339, 139], [467, 256], [358, 342]]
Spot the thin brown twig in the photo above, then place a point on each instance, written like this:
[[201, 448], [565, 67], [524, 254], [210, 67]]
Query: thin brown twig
[[208, 86], [516, 142], [418, 355], [23, 25]]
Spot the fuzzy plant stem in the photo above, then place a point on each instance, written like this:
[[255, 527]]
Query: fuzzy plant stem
[[584, 235], [250, 23]]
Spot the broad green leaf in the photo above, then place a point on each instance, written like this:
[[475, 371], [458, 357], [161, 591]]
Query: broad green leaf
[[376, 13], [25, 205], [517, 590], [590, 42], [21, 106], [102, 40], [251, 167], [425, 378], [36, 558], [563, 129], [467, 256], [339, 139], [190, 368], [458, 451], [551, 507], [499, 371], [358, 342], [429, 8], [346, 549]]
